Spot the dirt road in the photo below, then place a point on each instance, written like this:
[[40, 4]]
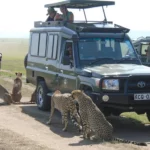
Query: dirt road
[[23, 127]]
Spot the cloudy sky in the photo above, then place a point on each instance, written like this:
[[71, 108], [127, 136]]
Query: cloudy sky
[[18, 16]]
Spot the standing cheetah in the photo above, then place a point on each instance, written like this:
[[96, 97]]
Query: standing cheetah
[[64, 103]]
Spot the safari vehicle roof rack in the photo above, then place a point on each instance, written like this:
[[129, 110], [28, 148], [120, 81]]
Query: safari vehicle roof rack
[[85, 27], [80, 4]]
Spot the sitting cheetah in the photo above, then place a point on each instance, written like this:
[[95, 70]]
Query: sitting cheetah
[[94, 121], [16, 91], [64, 103]]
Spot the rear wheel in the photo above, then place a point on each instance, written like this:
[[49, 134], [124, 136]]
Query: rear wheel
[[43, 101]]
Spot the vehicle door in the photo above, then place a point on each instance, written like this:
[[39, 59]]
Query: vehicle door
[[67, 76], [51, 65]]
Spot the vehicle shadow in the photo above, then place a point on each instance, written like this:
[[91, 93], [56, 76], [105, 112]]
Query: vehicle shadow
[[56, 123], [130, 129], [124, 128]]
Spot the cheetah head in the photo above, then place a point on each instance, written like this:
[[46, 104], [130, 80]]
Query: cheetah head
[[76, 94], [18, 74], [57, 92]]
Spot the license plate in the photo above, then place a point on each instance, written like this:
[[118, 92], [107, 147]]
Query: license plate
[[143, 96]]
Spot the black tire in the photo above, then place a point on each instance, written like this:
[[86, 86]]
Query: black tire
[[25, 60], [42, 100], [148, 115]]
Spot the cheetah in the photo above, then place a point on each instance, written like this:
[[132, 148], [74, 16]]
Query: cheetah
[[64, 103], [94, 121], [16, 95]]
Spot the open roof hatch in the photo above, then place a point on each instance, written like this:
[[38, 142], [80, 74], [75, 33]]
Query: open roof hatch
[[80, 4]]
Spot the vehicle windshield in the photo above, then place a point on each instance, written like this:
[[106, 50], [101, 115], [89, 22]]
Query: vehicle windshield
[[105, 50]]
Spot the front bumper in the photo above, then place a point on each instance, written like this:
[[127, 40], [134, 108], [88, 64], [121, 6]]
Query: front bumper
[[124, 102]]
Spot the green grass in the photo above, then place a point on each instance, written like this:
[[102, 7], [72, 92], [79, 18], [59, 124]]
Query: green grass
[[141, 118], [14, 51]]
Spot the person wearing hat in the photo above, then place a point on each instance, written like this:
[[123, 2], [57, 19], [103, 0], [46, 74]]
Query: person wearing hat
[[66, 15], [52, 13]]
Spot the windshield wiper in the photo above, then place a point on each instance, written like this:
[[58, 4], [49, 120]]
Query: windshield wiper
[[126, 59], [100, 59]]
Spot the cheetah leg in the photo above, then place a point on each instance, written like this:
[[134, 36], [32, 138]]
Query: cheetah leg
[[86, 131], [52, 112], [65, 120]]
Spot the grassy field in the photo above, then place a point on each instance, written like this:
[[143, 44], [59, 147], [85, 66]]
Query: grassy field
[[141, 118], [14, 51]]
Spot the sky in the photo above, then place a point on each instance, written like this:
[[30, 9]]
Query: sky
[[18, 16]]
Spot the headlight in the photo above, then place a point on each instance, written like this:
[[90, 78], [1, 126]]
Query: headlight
[[110, 84]]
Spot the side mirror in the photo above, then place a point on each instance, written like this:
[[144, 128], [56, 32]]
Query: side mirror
[[66, 60]]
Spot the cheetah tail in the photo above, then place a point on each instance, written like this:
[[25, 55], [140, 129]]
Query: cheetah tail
[[75, 123], [127, 141]]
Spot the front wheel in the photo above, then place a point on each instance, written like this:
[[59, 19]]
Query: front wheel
[[43, 101]]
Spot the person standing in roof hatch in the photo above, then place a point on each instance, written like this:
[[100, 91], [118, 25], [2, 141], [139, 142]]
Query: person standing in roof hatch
[[66, 15], [52, 13]]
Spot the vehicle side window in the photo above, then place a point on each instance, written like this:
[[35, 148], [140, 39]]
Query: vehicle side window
[[52, 46], [55, 46], [38, 44], [68, 54], [34, 44], [42, 46], [143, 49]]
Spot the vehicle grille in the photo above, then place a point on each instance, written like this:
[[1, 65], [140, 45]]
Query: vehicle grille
[[132, 84]]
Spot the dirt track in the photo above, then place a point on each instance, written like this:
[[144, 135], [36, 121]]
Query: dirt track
[[23, 127]]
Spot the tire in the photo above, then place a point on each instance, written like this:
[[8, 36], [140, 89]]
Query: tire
[[42, 100], [25, 60], [148, 115]]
